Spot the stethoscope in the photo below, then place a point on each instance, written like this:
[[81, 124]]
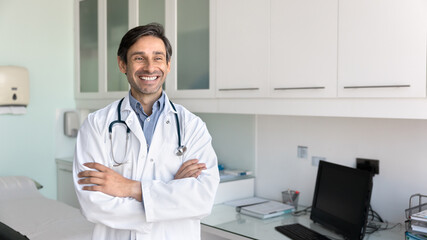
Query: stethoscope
[[179, 151]]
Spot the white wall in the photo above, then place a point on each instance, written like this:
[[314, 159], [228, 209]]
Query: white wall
[[38, 35], [400, 145], [233, 138]]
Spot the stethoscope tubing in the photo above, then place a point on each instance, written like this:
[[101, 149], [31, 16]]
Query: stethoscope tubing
[[180, 149]]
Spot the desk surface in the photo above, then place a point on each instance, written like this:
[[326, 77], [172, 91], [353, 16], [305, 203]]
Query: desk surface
[[225, 218]]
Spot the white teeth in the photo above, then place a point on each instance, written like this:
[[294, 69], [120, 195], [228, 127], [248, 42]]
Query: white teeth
[[148, 78]]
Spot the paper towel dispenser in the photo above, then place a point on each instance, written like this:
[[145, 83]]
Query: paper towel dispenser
[[14, 86]]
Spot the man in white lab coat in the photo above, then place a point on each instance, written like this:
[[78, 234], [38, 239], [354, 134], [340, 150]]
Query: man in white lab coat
[[129, 176]]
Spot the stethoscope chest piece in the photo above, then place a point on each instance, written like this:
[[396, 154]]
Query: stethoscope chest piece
[[181, 150]]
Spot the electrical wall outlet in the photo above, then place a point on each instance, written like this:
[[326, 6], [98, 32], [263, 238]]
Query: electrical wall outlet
[[315, 160], [302, 152]]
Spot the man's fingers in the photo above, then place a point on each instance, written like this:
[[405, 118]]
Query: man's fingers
[[92, 188], [185, 165], [91, 180], [93, 177], [189, 170], [97, 166], [89, 173], [196, 174]]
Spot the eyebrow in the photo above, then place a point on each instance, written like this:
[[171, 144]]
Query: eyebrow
[[154, 52]]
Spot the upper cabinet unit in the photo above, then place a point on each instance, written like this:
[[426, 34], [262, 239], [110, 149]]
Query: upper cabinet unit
[[242, 51], [303, 48], [352, 58], [382, 48]]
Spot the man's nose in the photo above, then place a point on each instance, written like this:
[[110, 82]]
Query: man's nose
[[149, 66]]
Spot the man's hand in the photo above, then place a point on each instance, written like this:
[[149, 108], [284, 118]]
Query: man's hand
[[190, 168], [109, 182]]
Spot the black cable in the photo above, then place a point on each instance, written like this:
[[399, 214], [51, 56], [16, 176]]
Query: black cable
[[301, 212], [376, 221]]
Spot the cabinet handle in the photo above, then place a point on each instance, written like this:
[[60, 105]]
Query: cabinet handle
[[378, 86], [298, 88], [237, 89]]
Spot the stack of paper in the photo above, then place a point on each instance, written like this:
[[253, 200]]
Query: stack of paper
[[419, 221], [420, 216], [267, 209]]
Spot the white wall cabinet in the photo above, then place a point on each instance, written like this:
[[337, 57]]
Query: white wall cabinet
[[353, 58], [242, 52], [303, 48], [382, 48]]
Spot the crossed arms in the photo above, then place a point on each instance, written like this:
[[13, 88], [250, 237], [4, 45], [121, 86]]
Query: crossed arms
[[105, 180]]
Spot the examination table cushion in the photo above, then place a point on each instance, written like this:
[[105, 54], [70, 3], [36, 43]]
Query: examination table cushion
[[25, 210]]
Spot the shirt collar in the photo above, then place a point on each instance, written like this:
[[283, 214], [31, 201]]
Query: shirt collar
[[157, 106]]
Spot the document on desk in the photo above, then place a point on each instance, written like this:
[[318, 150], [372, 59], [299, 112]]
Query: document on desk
[[267, 209], [245, 202]]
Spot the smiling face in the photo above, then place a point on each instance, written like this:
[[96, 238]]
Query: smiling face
[[146, 68]]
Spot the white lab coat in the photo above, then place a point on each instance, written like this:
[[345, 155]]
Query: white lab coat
[[170, 209]]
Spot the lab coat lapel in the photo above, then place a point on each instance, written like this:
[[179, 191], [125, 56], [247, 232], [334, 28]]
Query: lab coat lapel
[[139, 150], [132, 121]]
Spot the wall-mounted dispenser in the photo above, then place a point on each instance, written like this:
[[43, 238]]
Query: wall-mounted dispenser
[[14, 89], [71, 123]]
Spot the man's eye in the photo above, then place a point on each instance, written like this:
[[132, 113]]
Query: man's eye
[[159, 59], [138, 59]]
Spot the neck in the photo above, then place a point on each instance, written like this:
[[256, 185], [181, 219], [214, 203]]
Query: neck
[[147, 100]]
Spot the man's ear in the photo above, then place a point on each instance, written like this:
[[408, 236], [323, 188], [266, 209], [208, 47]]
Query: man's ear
[[122, 65], [168, 68]]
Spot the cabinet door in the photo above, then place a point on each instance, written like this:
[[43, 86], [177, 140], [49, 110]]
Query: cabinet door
[[189, 30], [151, 11], [303, 48], [382, 48], [117, 26], [87, 46], [65, 184], [242, 50]]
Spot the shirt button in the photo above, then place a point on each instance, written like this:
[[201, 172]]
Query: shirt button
[[148, 119], [151, 160]]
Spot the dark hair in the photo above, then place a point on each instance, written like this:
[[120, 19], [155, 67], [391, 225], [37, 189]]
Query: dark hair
[[152, 29]]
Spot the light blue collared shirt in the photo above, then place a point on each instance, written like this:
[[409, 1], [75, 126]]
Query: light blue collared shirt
[[148, 123]]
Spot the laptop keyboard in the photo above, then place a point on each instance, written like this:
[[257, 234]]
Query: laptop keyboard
[[297, 231]]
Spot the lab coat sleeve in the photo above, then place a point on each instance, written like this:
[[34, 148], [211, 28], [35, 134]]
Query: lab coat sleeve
[[188, 197], [97, 207]]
